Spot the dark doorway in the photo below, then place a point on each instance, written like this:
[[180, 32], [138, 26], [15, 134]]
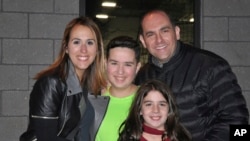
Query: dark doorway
[[124, 17]]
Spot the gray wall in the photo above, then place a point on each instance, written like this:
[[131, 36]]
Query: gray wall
[[225, 30], [30, 33]]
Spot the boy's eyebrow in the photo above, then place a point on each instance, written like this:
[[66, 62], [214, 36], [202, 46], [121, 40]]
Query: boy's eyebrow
[[146, 101], [112, 60], [129, 62]]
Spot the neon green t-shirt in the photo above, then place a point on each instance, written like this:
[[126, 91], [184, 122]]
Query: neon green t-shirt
[[117, 112]]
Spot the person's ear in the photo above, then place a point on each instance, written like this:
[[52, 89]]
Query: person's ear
[[177, 32], [142, 41]]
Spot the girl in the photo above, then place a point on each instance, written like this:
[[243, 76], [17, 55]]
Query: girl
[[153, 116]]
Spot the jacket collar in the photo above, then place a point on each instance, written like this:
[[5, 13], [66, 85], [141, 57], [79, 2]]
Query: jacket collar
[[72, 81]]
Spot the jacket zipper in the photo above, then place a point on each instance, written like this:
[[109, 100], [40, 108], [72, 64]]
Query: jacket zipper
[[44, 117]]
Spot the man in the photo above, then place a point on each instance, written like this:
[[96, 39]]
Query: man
[[205, 88]]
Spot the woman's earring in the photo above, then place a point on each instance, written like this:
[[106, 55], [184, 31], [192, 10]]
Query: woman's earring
[[66, 50]]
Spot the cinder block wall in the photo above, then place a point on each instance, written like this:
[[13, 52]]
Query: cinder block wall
[[30, 38], [225, 30], [31, 32]]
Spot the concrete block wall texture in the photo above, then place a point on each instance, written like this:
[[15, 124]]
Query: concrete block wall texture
[[30, 38], [226, 31]]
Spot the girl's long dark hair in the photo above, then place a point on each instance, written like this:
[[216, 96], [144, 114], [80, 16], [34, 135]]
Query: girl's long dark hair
[[131, 128]]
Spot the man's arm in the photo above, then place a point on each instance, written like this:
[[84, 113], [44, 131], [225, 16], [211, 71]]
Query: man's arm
[[227, 101]]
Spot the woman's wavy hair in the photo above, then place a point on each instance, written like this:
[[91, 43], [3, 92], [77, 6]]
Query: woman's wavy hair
[[131, 128], [94, 77]]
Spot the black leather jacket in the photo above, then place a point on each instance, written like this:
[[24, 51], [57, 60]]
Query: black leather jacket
[[49, 100], [62, 105], [208, 96], [56, 108]]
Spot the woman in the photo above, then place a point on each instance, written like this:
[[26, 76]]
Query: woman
[[59, 107], [153, 116]]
